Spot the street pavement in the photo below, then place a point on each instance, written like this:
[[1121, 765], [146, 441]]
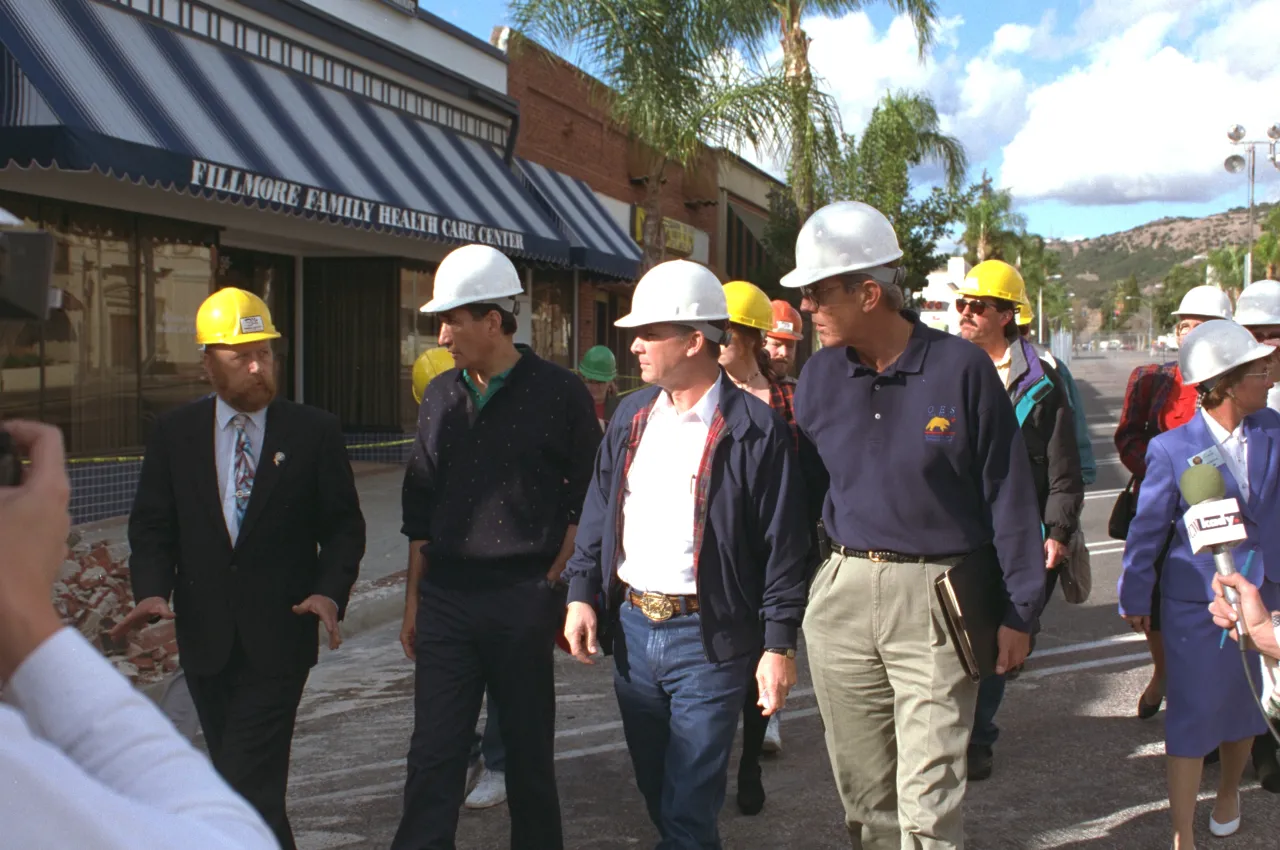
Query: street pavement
[[1074, 766]]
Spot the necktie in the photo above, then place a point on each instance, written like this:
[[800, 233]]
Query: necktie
[[244, 467]]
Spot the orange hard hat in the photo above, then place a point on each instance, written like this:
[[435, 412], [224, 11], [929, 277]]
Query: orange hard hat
[[787, 323]]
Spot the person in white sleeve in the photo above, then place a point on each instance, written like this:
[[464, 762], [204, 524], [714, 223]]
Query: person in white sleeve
[[85, 759]]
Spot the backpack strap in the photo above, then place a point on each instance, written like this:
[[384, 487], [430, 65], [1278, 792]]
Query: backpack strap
[[1034, 394]]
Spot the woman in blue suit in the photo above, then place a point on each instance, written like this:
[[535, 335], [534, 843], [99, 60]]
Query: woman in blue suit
[[1209, 699]]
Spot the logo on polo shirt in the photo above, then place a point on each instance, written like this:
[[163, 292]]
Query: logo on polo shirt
[[941, 425]]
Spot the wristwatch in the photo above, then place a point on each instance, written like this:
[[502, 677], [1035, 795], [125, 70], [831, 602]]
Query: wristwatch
[[789, 653]]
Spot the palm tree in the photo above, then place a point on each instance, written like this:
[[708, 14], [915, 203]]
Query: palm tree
[[903, 132], [756, 21], [1226, 268], [669, 78], [991, 227], [1266, 255]]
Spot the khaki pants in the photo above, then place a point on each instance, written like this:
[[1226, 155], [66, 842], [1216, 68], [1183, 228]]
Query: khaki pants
[[897, 705]]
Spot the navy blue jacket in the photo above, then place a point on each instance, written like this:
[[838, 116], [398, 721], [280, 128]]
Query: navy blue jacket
[[754, 560]]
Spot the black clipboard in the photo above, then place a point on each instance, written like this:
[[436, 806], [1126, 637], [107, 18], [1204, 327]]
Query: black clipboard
[[974, 603]]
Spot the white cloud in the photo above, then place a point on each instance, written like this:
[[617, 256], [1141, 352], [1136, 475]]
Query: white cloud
[[1141, 120], [1012, 39]]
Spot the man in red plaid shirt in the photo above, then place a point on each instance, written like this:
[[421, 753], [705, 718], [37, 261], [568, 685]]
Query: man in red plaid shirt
[[693, 533]]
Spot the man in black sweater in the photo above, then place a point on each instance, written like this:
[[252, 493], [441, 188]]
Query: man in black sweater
[[503, 457]]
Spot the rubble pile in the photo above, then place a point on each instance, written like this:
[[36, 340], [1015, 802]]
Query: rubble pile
[[92, 594]]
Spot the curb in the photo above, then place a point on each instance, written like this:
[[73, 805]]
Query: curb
[[370, 610]]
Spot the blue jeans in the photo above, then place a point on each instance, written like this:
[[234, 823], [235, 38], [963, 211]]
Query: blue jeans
[[489, 744], [990, 695], [679, 713]]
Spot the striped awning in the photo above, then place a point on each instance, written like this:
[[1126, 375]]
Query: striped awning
[[91, 85], [596, 241]]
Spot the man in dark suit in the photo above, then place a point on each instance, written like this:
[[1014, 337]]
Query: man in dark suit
[[247, 516]]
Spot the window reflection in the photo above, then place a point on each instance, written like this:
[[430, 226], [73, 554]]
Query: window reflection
[[552, 319], [418, 332]]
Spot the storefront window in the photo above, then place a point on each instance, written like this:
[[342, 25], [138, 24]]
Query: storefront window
[[23, 343], [91, 349], [177, 275], [552, 319], [418, 332]]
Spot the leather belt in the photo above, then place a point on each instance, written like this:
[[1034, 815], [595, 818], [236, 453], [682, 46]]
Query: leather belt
[[661, 606], [885, 557]]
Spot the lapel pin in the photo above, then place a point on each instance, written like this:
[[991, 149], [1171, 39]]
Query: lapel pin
[[279, 458]]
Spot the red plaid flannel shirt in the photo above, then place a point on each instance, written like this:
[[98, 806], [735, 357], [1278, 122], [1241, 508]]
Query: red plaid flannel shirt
[[1144, 400], [782, 399], [702, 486]]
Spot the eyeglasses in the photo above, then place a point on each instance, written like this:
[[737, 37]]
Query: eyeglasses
[[817, 293], [977, 306]]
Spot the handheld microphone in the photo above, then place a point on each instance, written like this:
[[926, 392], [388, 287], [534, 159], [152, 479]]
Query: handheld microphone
[[1213, 523]]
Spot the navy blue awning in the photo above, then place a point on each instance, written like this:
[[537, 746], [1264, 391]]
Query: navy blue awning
[[90, 85], [597, 242]]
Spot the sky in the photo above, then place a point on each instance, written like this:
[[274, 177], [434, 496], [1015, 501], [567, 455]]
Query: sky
[[1099, 115]]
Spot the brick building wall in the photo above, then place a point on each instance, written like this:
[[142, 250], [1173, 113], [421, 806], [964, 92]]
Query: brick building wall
[[564, 124]]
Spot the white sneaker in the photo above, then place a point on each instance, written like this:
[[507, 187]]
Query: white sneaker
[[772, 736], [489, 791]]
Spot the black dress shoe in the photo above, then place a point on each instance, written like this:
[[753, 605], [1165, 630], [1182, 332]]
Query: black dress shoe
[[750, 790], [981, 762], [1147, 710]]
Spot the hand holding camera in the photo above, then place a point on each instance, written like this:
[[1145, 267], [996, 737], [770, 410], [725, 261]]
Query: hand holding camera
[[33, 534]]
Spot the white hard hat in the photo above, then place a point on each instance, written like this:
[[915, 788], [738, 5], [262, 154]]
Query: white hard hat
[[843, 237], [679, 292], [1205, 301], [474, 274], [1213, 349], [1259, 304]]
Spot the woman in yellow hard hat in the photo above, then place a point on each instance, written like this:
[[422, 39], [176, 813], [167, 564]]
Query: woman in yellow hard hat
[[747, 362], [430, 363]]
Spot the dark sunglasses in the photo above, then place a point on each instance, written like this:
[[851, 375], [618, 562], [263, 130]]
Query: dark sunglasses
[[978, 307]]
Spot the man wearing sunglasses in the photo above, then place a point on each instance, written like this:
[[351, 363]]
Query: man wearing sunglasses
[[927, 469], [1258, 309], [988, 307]]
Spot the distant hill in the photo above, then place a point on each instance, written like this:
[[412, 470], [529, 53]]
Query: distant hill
[[1091, 266]]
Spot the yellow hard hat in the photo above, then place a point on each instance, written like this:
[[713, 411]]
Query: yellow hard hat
[[1025, 314], [748, 305], [232, 316], [994, 279], [430, 363]]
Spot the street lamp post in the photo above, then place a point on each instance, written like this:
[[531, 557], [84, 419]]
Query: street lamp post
[[1237, 163]]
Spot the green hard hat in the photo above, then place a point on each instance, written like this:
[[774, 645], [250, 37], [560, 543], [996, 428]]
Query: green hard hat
[[598, 364]]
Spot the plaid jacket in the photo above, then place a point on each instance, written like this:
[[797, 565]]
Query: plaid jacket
[[751, 537], [1144, 399], [782, 395]]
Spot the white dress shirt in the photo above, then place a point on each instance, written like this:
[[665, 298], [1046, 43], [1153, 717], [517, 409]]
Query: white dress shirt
[[86, 761], [224, 453], [658, 499], [1234, 448]]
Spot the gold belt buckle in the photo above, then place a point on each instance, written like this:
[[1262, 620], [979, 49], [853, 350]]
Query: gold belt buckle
[[877, 558], [657, 606]]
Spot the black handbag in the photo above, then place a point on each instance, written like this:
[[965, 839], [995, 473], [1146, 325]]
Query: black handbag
[[1123, 511]]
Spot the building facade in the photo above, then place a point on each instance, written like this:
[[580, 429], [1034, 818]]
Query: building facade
[[325, 154]]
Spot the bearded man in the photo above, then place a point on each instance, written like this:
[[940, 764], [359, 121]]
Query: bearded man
[[247, 518]]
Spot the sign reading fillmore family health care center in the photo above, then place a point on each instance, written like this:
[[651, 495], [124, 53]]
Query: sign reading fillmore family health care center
[[295, 196]]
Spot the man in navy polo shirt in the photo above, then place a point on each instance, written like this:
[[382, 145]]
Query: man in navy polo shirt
[[926, 465]]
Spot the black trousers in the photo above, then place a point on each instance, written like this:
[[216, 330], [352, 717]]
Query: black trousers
[[754, 726], [247, 717], [467, 639]]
